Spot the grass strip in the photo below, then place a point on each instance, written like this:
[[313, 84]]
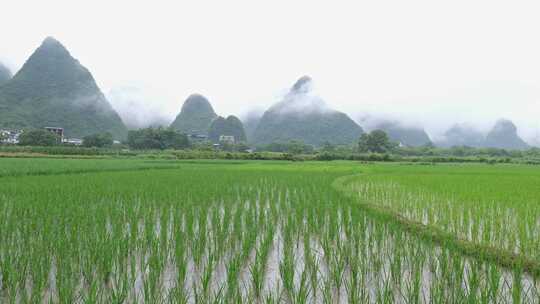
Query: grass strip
[[83, 171]]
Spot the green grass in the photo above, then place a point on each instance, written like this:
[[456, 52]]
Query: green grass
[[122, 231]]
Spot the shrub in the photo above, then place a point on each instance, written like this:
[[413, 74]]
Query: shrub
[[98, 140]]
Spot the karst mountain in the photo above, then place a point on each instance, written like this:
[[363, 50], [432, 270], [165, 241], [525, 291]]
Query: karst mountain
[[53, 89], [302, 116]]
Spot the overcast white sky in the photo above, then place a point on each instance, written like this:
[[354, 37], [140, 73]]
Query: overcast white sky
[[434, 62]]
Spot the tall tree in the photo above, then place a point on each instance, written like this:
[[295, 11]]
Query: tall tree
[[38, 137], [377, 141], [157, 138]]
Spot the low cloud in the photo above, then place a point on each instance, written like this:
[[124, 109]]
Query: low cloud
[[139, 108]]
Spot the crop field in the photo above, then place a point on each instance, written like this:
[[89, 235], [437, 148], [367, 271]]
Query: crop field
[[493, 206], [136, 231]]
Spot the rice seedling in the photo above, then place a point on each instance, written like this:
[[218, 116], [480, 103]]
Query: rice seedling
[[254, 232], [495, 209]]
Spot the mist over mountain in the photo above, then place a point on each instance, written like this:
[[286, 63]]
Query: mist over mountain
[[462, 135], [504, 136], [231, 126], [408, 135], [250, 121], [5, 74], [305, 117], [196, 116], [136, 108], [54, 89]]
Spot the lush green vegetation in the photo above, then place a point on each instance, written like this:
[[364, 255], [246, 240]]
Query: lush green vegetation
[[38, 137], [495, 207], [99, 140], [239, 231], [195, 116], [231, 126], [376, 141], [157, 138], [293, 147], [315, 127], [11, 167], [300, 116]]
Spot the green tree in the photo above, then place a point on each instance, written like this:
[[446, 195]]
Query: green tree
[[157, 138], [328, 147], [99, 140], [292, 147], [377, 142], [232, 126], [226, 146], [296, 147], [202, 146], [38, 137]]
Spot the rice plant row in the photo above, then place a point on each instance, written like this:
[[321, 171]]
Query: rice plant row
[[496, 206], [242, 233]]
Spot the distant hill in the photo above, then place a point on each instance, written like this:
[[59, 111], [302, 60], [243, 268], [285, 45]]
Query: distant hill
[[195, 116], [302, 116], [462, 135], [408, 136], [504, 136], [54, 89], [232, 126], [5, 74]]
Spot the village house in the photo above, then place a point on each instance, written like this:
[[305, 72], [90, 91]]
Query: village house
[[58, 131], [10, 136], [226, 139]]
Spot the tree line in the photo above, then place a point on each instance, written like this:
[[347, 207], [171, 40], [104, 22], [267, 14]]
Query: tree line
[[374, 142]]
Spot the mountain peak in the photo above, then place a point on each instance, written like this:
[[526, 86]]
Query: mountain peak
[[50, 40], [53, 88], [51, 71], [230, 126], [302, 85], [52, 47], [305, 117], [504, 135], [196, 98], [196, 103], [505, 125], [195, 116]]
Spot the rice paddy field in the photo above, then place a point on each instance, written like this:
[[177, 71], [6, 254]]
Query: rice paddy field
[[137, 231]]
